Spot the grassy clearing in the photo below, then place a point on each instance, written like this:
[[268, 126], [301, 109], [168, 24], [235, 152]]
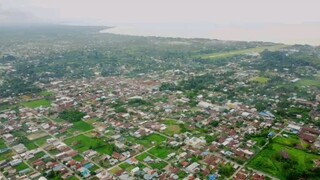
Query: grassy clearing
[[172, 130], [2, 144], [115, 170], [47, 93], [308, 82], [290, 141], [80, 126], [41, 141], [241, 52], [83, 143], [158, 165], [269, 160], [142, 156], [126, 166], [78, 158], [261, 80], [7, 155], [21, 167], [160, 152], [147, 140], [37, 103]]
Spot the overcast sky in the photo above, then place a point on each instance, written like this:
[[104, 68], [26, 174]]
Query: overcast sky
[[160, 11]]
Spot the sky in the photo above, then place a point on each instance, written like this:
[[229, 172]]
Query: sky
[[113, 12], [285, 21]]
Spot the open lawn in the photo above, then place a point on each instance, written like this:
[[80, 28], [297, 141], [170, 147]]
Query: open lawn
[[261, 80], [46, 93], [158, 165], [80, 126], [213, 56], [6, 155], [83, 143], [115, 170], [291, 141], [271, 160], [308, 82], [160, 152], [2, 144], [147, 140], [37, 103], [21, 167], [126, 166], [172, 127], [78, 158], [172, 130], [41, 141], [142, 156]]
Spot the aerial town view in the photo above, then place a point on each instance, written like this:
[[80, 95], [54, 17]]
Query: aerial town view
[[78, 102]]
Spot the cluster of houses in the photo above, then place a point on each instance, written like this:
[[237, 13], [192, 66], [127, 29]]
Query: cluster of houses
[[210, 131]]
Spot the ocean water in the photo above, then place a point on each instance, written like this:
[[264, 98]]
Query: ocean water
[[308, 33]]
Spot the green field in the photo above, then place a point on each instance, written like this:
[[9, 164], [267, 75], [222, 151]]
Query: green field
[[41, 141], [308, 82], [213, 56], [83, 143], [160, 152], [126, 166], [158, 165], [290, 141], [37, 103], [21, 167], [142, 156], [80, 126], [271, 161], [2, 144], [46, 93], [262, 80], [115, 170], [147, 140]]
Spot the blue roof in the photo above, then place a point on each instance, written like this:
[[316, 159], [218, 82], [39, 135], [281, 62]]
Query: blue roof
[[88, 166], [24, 171], [212, 177], [58, 168], [271, 134], [85, 173]]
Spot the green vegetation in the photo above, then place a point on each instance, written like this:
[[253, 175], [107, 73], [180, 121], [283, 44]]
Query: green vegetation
[[284, 162], [308, 82], [83, 143], [160, 152], [158, 165], [78, 158], [261, 80], [115, 170], [291, 141], [41, 141], [226, 170], [173, 127], [241, 52], [80, 126], [37, 103], [147, 141], [172, 130], [2, 144], [17, 86], [142, 156], [71, 115], [126, 166], [21, 167]]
